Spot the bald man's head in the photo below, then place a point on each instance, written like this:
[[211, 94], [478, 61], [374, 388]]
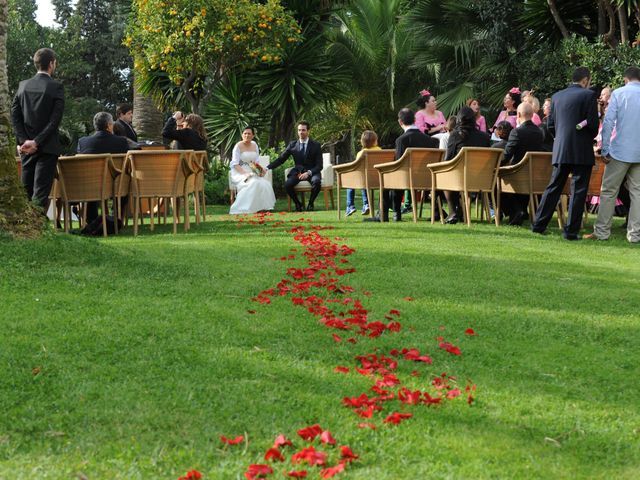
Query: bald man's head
[[525, 111]]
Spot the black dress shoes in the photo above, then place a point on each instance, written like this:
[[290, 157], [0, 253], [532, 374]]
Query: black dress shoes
[[452, 219], [310, 207], [299, 207], [371, 219], [517, 218]]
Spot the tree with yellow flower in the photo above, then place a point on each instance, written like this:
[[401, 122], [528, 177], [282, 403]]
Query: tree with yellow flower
[[193, 42]]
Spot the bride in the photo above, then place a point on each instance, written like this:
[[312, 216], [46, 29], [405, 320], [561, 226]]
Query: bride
[[255, 193]]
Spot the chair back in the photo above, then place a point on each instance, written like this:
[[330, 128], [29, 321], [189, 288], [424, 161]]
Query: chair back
[[85, 178], [201, 162], [364, 175], [152, 147], [265, 160], [411, 170], [595, 182], [475, 169], [158, 173], [327, 171]]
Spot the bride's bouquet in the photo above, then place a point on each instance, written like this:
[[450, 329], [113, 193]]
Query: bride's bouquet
[[256, 169]]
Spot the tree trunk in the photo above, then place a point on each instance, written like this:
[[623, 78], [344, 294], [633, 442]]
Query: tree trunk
[[17, 217], [147, 119], [610, 37], [624, 29], [557, 18], [602, 20]]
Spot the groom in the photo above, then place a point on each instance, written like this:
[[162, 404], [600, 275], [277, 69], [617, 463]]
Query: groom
[[308, 165]]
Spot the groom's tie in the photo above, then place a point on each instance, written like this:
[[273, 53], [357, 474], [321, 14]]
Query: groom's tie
[[303, 149]]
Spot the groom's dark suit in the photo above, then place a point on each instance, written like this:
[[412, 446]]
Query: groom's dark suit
[[307, 159], [36, 114]]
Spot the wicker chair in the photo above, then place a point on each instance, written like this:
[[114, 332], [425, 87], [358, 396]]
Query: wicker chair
[[326, 186], [409, 172], [86, 178], [160, 174], [361, 173], [201, 160], [474, 169]]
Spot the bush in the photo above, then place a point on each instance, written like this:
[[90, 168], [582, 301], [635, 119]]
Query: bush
[[216, 184]]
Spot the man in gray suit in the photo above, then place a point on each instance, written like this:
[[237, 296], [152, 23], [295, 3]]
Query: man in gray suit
[[574, 121], [36, 114]]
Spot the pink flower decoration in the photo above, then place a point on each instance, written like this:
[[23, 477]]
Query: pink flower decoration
[[515, 90], [425, 93]]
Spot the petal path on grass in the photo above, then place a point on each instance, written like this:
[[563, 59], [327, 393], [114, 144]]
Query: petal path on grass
[[318, 287]]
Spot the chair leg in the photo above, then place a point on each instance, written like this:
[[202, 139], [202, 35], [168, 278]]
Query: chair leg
[[136, 210], [196, 207], [204, 207], [288, 203], [433, 212], [326, 200], [174, 202], [331, 198], [338, 198], [103, 205], [493, 202], [532, 208], [422, 202], [152, 205], [467, 206], [372, 201], [187, 225], [498, 206], [67, 215], [414, 209]]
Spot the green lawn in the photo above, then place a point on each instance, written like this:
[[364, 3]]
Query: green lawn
[[127, 358]]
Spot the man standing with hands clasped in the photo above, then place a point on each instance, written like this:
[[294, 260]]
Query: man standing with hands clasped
[[574, 120], [308, 166], [36, 113], [622, 156]]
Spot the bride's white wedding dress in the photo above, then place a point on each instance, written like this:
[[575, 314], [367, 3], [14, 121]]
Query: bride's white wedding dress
[[254, 193]]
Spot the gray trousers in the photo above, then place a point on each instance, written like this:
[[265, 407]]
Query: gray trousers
[[614, 175]]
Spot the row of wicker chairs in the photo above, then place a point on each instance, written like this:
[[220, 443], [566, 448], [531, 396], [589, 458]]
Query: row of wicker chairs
[[150, 176], [474, 169]]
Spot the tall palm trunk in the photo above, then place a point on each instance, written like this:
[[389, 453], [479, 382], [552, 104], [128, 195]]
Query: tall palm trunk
[[147, 119], [16, 215]]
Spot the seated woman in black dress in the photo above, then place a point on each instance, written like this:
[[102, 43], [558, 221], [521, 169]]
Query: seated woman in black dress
[[465, 134], [191, 137]]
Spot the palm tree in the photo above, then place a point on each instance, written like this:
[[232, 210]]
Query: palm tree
[[16, 216], [147, 118]]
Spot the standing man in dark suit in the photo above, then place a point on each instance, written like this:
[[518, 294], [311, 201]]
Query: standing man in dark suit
[[36, 114], [527, 137], [412, 137], [124, 113], [308, 165], [574, 122], [102, 141]]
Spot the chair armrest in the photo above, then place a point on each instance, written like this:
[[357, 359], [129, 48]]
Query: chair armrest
[[444, 166], [389, 166], [347, 167]]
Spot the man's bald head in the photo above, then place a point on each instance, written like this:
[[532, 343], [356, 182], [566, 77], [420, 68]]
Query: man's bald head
[[525, 111]]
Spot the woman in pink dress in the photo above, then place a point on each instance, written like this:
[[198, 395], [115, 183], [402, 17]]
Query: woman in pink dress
[[474, 103], [510, 103], [428, 119]]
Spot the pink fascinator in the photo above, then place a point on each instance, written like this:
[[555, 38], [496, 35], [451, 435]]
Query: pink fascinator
[[425, 93], [515, 90]]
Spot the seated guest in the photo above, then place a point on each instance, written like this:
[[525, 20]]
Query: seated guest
[[369, 141], [412, 137], [511, 101], [535, 105], [124, 114], [466, 134], [443, 137], [474, 103], [119, 131], [102, 141], [503, 129], [547, 137], [191, 137], [526, 138], [428, 119]]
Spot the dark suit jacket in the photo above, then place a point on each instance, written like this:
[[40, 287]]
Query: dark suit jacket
[[311, 160], [187, 138], [416, 139], [36, 112], [569, 107], [128, 130], [103, 142], [475, 138], [526, 138]]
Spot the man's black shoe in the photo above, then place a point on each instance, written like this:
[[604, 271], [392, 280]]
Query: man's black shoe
[[299, 207], [452, 219], [571, 237], [310, 207], [517, 218], [371, 219]]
